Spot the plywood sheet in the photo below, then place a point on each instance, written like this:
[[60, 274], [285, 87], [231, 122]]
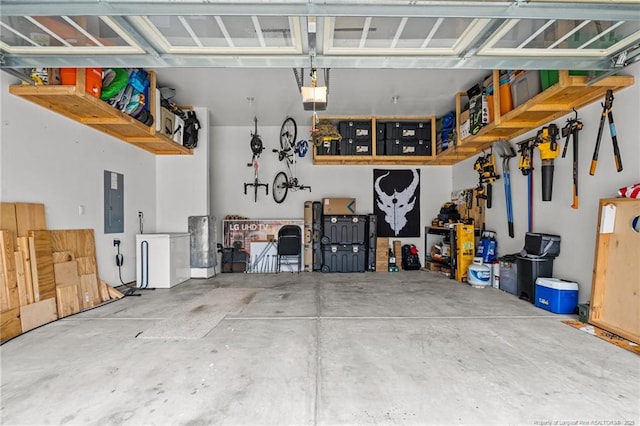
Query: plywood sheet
[[81, 242], [8, 277], [23, 248], [615, 295], [67, 300], [8, 217], [90, 291], [30, 217], [42, 265], [66, 273], [10, 325], [23, 295], [37, 314], [87, 265], [63, 256]]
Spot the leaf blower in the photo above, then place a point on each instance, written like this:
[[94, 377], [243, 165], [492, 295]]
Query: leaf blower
[[549, 150]]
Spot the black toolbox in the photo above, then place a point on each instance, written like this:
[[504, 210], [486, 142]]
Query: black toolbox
[[344, 229], [356, 137], [344, 257]]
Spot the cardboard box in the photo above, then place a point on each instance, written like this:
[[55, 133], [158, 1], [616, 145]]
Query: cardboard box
[[333, 206], [557, 296]]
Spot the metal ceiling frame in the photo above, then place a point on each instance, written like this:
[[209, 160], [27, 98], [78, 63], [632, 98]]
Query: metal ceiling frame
[[471, 52]]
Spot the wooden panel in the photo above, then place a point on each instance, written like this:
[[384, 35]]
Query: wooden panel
[[30, 217], [8, 276], [113, 292], [87, 265], [23, 248], [66, 273], [90, 291], [23, 294], [42, 264], [615, 294], [63, 256], [382, 254], [10, 325], [8, 217], [81, 242], [25, 254], [67, 300], [104, 291], [37, 314]]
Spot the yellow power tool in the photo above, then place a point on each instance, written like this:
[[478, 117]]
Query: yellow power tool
[[549, 150]]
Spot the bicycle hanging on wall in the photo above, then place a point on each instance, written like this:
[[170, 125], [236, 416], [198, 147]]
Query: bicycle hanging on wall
[[256, 148], [284, 182]]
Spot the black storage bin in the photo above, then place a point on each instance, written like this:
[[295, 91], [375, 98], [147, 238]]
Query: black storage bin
[[344, 257], [403, 130], [328, 148], [380, 138], [393, 147], [344, 229], [529, 269], [356, 137], [423, 131], [234, 260], [509, 274], [542, 245], [409, 147]]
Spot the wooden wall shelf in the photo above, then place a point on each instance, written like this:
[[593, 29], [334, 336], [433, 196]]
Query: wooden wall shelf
[[73, 102], [558, 100], [374, 158]]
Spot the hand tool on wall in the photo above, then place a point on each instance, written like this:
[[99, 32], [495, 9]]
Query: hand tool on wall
[[608, 113], [506, 151], [549, 150], [525, 164], [571, 130]]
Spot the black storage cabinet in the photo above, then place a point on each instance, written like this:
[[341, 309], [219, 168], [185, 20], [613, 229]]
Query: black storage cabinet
[[344, 257]]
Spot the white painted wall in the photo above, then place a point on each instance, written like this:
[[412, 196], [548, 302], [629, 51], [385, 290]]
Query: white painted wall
[[46, 158], [182, 183], [230, 153], [577, 228]]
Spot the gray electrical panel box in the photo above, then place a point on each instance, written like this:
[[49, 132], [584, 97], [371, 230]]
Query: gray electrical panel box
[[113, 202]]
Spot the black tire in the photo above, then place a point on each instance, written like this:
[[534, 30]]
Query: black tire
[[280, 187], [325, 269], [325, 239], [288, 134]]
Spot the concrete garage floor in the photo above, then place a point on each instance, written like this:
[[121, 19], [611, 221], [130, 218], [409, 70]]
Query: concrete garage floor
[[327, 349]]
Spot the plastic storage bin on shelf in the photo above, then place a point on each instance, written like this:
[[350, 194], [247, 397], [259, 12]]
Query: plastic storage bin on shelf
[[556, 295], [525, 86]]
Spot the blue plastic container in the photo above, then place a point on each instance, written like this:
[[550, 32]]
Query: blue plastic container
[[556, 295]]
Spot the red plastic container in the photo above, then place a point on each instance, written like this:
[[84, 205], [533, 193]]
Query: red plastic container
[[93, 79]]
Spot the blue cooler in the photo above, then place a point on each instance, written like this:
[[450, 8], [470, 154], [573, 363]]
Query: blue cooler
[[556, 295]]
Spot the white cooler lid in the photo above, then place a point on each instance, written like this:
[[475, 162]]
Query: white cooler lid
[[557, 284]]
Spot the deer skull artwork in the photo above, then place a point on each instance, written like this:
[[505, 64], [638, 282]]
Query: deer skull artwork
[[396, 206]]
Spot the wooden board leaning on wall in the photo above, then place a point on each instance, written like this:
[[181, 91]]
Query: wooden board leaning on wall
[[30, 294]]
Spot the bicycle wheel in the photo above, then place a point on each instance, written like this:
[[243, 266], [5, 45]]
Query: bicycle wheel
[[288, 134], [280, 187]]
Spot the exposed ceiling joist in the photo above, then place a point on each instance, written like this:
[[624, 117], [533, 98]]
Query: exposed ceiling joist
[[606, 10]]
